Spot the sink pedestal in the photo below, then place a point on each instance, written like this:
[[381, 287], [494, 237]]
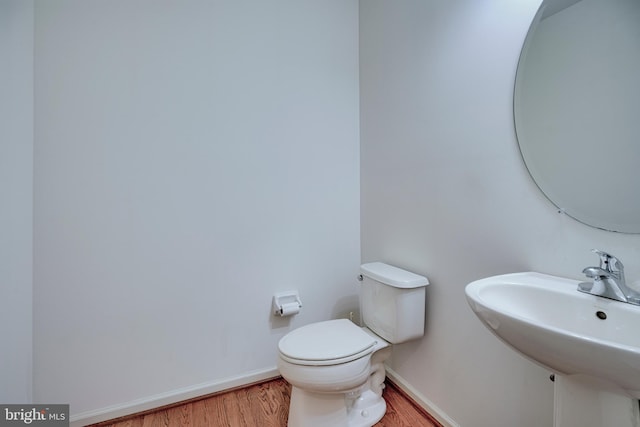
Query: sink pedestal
[[584, 401]]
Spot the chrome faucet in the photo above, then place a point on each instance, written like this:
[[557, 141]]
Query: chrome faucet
[[608, 280]]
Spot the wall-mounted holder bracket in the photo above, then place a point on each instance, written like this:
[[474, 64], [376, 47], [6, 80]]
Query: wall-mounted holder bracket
[[286, 303]]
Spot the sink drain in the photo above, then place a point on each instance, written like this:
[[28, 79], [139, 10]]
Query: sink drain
[[601, 315]]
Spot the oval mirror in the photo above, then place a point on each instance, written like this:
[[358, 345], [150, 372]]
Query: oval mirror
[[577, 109]]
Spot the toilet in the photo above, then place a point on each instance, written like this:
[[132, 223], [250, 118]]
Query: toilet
[[336, 368]]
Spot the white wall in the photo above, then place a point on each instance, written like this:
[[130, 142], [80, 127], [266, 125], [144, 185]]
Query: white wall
[[191, 159], [445, 194], [16, 190]]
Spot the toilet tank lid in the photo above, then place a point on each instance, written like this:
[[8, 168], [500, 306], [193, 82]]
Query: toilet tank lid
[[393, 276]]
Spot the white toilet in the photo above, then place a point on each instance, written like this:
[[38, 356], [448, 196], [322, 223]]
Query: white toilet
[[336, 368]]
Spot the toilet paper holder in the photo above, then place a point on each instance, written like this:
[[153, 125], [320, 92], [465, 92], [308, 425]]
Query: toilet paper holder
[[286, 303]]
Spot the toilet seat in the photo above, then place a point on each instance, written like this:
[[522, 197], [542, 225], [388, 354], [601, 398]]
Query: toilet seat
[[326, 343]]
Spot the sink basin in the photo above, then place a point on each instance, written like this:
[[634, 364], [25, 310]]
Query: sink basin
[[549, 321]]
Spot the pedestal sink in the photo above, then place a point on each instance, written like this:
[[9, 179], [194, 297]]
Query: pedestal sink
[[591, 343]]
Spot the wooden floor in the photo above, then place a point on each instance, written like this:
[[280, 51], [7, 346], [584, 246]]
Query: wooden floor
[[262, 405]]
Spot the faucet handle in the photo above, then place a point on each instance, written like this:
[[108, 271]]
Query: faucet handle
[[608, 262]]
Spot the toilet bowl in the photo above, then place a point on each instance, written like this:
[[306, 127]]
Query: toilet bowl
[[336, 368], [337, 374]]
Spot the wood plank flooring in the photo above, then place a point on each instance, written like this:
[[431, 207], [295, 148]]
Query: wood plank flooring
[[261, 405]]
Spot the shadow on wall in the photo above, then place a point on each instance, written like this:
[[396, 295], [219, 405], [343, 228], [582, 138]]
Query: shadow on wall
[[347, 308]]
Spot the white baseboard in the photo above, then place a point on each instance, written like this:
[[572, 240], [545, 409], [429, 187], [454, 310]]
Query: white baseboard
[[420, 399], [168, 398]]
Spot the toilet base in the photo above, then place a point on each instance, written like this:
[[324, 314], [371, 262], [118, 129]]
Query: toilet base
[[308, 409], [367, 410]]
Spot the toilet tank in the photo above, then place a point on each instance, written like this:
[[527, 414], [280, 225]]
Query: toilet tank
[[392, 302]]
